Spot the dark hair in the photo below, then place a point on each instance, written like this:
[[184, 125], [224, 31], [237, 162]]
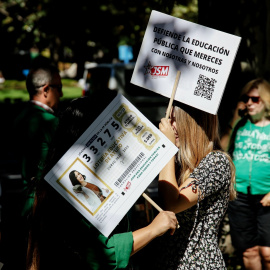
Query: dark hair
[[73, 178]]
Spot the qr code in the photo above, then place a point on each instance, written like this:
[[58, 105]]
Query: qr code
[[205, 87]]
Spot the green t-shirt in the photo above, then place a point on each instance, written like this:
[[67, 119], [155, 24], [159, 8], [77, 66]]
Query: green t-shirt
[[106, 253], [34, 129], [251, 157]]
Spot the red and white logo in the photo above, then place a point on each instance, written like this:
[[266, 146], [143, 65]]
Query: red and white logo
[[127, 186], [156, 71]]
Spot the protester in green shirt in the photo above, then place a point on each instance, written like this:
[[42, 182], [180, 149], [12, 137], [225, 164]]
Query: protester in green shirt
[[60, 237], [249, 214], [33, 132], [36, 124]]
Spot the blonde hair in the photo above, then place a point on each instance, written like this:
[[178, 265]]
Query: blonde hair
[[198, 133], [263, 87]]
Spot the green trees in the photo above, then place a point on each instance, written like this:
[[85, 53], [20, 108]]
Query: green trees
[[83, 30], [76, 31]]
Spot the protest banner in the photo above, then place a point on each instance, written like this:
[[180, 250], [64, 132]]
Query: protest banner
[[203, 55], [119, 155]]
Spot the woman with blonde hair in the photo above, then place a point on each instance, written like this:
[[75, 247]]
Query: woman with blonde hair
[[263, 88], [249, 145], [197, 185]]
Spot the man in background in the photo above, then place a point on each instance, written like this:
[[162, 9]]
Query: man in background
[[36, 124], [34, 129]]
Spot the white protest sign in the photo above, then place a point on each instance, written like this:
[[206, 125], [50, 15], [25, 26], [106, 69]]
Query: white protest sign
[[204, 57], [118, 156]]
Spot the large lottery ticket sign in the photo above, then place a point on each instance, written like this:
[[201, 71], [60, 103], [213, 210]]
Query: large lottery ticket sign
[[203, 55], [121, 153]]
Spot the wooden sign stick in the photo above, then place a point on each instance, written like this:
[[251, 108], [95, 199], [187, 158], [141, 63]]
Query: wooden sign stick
[[167, 116], [151, 202], [173, 94], [155, 205]]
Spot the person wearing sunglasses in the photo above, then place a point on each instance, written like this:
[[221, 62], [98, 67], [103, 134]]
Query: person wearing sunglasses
[[34, 128], [37, 122], [249, 145]]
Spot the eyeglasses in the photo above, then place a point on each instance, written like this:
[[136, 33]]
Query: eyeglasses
[[246, 98], [57, 86], [38, 86]]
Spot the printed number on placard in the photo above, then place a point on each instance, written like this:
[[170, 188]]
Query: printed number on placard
[[87, 157], [94, 149], [115, 125], [107, 131], [101, 141]]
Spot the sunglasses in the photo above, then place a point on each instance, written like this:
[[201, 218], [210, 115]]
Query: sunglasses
[[246, 98], [57, 86]]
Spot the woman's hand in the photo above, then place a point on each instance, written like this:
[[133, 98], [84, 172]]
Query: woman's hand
[[240, 108], [163, 222], [166, 128], [265, 201]]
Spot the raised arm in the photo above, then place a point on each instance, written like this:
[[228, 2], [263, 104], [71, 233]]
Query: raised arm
[[168, 188], [175, 200]]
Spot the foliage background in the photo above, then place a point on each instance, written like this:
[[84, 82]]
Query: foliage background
[[91, 31], [82, 30], [78, 31]]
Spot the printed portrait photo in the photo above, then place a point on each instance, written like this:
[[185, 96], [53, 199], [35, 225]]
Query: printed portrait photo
[[86, 187]]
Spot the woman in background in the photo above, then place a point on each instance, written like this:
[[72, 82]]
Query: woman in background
[[249, 145]]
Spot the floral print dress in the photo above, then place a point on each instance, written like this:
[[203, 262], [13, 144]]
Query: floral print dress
[[195, 244]]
